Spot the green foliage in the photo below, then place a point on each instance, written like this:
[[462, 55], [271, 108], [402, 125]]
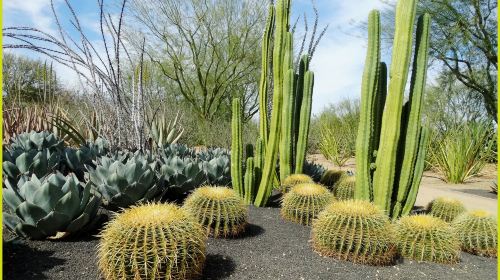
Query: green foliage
[[152, 241], [219, 209], [293, 180], [463, 151], [446, 209], [426, 238], [163, 133], [304, 202], [331, 177], [344, 189], [354, 230], [477, 232], [51, 206]]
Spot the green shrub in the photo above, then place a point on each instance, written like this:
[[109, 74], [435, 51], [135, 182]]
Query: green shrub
[[152, 241], [304, 202], [477, 232], [427, 238], [354, 230], [219, 209], [446, 209]]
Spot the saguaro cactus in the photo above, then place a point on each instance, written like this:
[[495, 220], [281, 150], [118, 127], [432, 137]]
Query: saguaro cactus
[[236, 149], [391, 143]]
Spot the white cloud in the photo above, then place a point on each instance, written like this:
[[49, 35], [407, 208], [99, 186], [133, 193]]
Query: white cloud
[[34, 13]]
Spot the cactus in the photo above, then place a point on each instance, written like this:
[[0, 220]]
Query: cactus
[[249, 150], [286, 144], [477, 232], [305, 119], [427, 238], [331, 177], [304, 202], [344, 189], [249, 181], [219, 209], [237, 149], [294, 180], [446, 209], [354, 230], [152, 241], [391, 143], [299, 94]]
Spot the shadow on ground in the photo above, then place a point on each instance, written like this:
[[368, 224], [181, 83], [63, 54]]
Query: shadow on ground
[[218, 266]]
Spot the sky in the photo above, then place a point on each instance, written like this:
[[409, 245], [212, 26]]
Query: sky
[[337, 62]]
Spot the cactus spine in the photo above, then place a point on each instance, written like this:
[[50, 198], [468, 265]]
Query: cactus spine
[[391, 143], [249, 181], [236, 148]]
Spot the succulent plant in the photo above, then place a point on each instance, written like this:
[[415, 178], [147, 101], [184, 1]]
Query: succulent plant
[[314, 170], [331, 177], [18, 162], [124, 184], [427, 238], [354, 230], [75, 160], [51, 206], [219, 209], [477, 232], [37, 141], [217, 171], [304, 202], [181, 175], [152, 241], [446, 208], [344, 189], [294, 180], [180, 150], [99, 147]]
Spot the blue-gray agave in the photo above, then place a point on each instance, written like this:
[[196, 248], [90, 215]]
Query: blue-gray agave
[[218, 171], [37, 141], [181, 175], [50, 206], [124, 184], [18, 162]]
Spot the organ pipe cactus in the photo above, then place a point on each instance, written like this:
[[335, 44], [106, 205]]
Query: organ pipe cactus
[[305, 119], [51, 206], [249, 181], [391, 142], [237, 148]]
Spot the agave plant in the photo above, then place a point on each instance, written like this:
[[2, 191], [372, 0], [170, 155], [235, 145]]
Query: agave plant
[[217, 171], [181, 175], [180, 150], [37, 141], [122, 184], [52, 206], [314, 170], [18, 162]]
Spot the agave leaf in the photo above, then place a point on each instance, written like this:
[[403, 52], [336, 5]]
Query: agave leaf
[[28, 189], [68, 204], [11, 198], [53, 222], [11, 221], [47, 196], [78, 223], [10, 169], [30, 213]]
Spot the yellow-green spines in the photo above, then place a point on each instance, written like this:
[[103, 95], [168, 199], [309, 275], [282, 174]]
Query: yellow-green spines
[[427, 238], [293, 180], [304, 202], [331, 177], [446, 208], [219, 209], [477, 232], [152, 241], [354, 230], [344, 189]]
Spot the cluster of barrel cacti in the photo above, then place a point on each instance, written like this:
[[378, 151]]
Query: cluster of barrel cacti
[[288, 130], [304, 202], [391, 142]]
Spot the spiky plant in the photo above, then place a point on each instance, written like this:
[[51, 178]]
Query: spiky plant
[[294, 180], [219, 209], [331, 177], [427, 238], [304, 202], [354, 230], [477, 231], [446, 208], [152, 241], [344, 189]]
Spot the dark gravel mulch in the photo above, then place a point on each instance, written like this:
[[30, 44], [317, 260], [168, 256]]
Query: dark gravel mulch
[[270, 249]]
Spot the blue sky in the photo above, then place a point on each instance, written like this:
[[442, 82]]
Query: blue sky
[[337, 63]]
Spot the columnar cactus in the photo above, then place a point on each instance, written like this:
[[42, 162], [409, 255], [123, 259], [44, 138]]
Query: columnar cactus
[[294, 180], [344, 189], [249, 181], [152, 241], [427, 238], [331, 177], [304, 202], [219, 209], [237, 148], [354, 230], [385, 129], [446, 209], [477, 232], [305, 119]]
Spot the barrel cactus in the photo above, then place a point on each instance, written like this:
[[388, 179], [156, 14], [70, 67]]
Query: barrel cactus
[[219, 209], [51, 206], [123, 184], [331, 177], [294, 180], [152, 241], [304, 202], [427, 238], [354, 230], [477, 232], [446, 208], [344, 189]]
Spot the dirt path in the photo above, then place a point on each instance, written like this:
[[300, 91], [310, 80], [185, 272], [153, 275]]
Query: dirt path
[[475, 194]]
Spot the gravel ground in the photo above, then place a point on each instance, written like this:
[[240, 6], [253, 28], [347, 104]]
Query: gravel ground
[[270, 249]]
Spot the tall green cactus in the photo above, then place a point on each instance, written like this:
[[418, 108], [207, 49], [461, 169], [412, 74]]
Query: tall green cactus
[[391, 143], [305, 119], [236, 148], [299, 90], [249, 181], [266, 49]]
